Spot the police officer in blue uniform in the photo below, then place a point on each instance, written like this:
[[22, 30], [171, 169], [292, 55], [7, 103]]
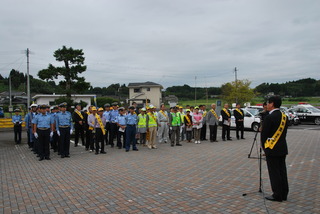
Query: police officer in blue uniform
[[28, 120], [113, 124], [55, 139], [64, 128], [131, 120], [17, 121], [43, 130], [106, 114], [121, 128]]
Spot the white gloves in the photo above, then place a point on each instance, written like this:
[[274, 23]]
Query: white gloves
[[71, 131], [51, 134], [58, 132], [36, 135]]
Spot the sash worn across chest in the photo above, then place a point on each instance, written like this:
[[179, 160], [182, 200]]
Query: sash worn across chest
[[101, 124], [163, 114], [240, 112], [188, 119], [271, 142], [79, 113], [214, 113], [226, 111]]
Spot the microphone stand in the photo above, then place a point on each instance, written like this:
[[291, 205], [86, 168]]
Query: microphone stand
[[260, 163]]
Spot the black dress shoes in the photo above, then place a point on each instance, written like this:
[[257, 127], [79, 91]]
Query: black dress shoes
[[271, 198], [47, 158], [40, 159], [135, 149], [103, 152], [179, 144]]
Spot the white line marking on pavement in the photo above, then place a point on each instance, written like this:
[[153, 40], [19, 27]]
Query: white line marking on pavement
[[302, 162]]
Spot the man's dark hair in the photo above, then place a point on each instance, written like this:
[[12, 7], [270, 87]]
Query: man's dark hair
[[276, 100], [264, 104]]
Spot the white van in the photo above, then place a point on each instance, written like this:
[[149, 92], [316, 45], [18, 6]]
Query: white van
[[251, 119]]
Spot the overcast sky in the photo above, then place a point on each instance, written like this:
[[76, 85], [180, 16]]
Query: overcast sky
[[169, 42]]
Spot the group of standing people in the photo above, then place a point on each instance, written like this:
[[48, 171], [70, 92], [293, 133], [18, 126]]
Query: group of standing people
[[49, 126], [98, 127]]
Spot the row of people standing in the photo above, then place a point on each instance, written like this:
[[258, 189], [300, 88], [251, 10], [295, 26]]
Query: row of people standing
[[97, 127], [148, 124], [45, 128]]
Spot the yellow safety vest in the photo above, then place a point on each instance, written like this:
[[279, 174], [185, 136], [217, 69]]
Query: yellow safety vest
[[175, 119], [152, 120], [182, 117], [142, 121]]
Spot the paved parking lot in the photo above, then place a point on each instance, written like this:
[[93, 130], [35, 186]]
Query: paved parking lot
[[194, 178]]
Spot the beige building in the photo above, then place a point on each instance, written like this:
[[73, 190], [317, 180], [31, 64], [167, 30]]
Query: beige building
[[48, 99], [145, 92]]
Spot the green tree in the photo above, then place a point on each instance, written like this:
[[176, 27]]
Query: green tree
[[73, 65], [239, 91]]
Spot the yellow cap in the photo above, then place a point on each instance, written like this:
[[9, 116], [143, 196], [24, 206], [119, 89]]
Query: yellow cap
[[100, 109], [93, 108]]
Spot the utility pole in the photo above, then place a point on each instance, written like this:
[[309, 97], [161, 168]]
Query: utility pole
[[236, 81], [195, 90], [10, 94], [28, 79]]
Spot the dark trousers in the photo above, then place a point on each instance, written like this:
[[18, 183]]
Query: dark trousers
[[119, 143], [35, 144], [278, 177], [99, 138], [88, 138], [55, 142], [113, 133], [130, 137], [28, 135], [189, 135], [225, 131], [64, 141], [203, 133], [17, 134], [78, 129], [175, 135], [107, 133], [43, 143], [143, 137], [213, 132], [239, 127]]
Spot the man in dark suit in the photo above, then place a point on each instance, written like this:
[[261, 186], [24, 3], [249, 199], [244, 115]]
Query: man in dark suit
[[239, 117], [226, 122], [79, 120], [276, 149]]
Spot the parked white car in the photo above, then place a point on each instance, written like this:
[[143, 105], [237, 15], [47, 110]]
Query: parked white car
[[307, 113], [251, 119]]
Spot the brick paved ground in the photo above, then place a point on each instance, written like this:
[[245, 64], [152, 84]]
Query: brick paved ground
[[205, 178]]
